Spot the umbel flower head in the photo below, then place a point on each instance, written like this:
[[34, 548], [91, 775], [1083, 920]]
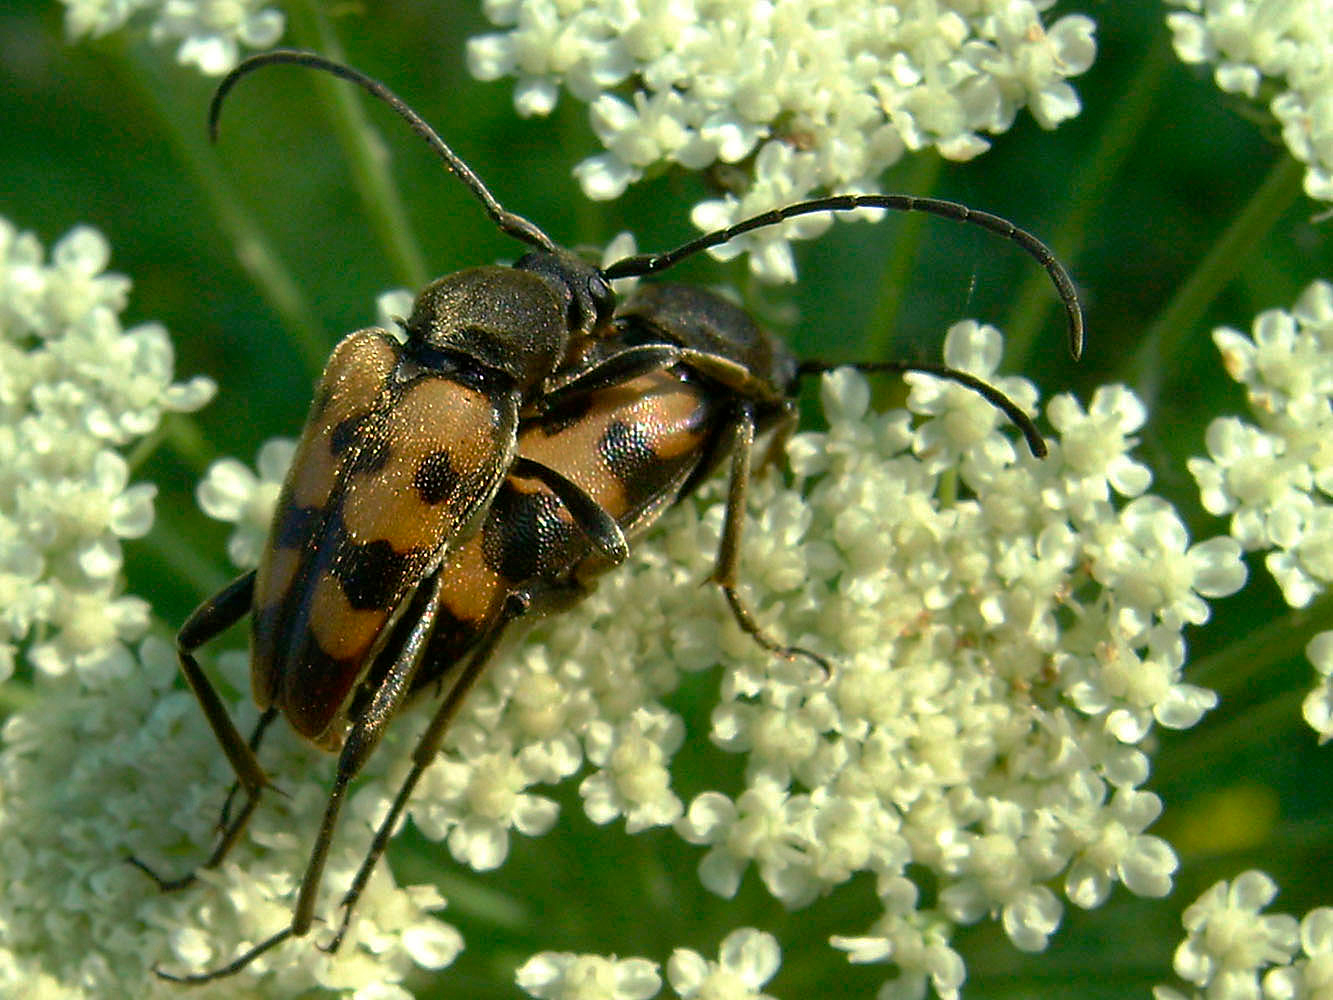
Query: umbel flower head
[[1273, 478], [1282, 51], [75, 388], [797, 97], [1005, 634]]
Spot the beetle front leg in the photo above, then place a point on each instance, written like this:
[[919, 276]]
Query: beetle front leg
[[728, 550], [221, 611]]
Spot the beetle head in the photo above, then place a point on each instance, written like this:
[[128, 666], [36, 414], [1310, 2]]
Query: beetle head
[[587, 297]]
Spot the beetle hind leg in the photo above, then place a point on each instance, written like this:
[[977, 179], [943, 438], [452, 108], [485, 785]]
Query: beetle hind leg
[[518, 604], [728, 550]]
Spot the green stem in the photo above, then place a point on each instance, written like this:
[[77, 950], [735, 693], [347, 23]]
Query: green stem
[[188, 441], [366, 153], [170, 542], [185, 436], [1145, 368], [1231, 669], [184, 128], [1229, 672], [1215, 746], [1086, 193]]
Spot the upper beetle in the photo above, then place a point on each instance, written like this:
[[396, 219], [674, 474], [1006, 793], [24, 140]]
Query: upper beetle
[[401, 459]]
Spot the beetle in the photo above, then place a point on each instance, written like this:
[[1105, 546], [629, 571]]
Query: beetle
[[408, 450], [635, 448]]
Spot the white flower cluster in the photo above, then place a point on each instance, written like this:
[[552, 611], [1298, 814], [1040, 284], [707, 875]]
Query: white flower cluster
[[1261, 48], [747, 959], [1004, 631], [230, 492], [94, 777], [1274, 477], [1232, 944], [74, 387], [210, 32], [803, 95]]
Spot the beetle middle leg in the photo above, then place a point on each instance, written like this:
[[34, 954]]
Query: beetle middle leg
[[223, 610]]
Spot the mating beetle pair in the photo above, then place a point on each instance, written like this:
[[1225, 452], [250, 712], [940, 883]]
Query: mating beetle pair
[[489, 468]]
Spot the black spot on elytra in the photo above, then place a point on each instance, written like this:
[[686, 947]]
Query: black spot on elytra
[[372, 575], [625, 450], [313, 686], [346, 433], [358, 435], [372, 456], [296, 527], [436, 479], [525, 535]]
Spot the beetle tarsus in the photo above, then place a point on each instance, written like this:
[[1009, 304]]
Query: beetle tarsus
[[745, 619]]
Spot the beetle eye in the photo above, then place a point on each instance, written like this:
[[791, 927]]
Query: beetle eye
[[603, 298]]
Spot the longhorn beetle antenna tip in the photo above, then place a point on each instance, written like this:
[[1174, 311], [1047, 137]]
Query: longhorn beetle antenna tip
[[644, 264]]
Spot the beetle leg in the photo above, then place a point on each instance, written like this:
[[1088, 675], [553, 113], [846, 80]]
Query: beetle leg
[[517, 604], [221, 611], [728, 550], [418, 618], [599, 526], [256, 737], [366, 733], [620, 367]]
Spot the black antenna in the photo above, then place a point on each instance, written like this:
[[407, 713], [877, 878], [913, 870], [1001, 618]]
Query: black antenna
[[515, 225], [642, 264], [639, 265], [992, 395]]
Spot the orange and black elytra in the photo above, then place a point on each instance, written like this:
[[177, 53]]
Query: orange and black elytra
[[490, 467]]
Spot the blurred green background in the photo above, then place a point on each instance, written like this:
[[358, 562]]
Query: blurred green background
[[1134, 195]]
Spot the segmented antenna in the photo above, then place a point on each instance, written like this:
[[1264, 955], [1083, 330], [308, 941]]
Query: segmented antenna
[[992, 395], [515, 225], [642, 264]]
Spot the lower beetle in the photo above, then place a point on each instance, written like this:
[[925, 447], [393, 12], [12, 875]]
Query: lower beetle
[[408, 449]]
